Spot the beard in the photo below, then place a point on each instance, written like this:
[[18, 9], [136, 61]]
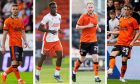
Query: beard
[[90, 12]]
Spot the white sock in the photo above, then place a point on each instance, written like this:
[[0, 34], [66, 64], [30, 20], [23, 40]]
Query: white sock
[[37, 72], [74, 72], [57, 72], [96, 76], [4, 74], [19, 79]]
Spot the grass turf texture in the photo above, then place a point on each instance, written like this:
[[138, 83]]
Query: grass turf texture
[[47, 72], [26, 76], [116, 81], [87, 77]]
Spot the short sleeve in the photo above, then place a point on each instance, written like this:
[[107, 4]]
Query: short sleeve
[[6, 25], [135, 24], [45, 20], [81, 20]]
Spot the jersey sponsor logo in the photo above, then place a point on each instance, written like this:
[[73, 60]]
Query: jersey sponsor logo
[[56, 25], [17, 29]]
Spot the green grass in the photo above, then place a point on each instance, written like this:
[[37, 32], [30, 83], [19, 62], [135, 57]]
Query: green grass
[[26, 76], [87, 77], [47, 72], [116, 81]]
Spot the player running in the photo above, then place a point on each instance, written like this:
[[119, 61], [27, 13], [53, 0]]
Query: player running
[[128, 33], [51, 41], [88, 24], [14, 27]]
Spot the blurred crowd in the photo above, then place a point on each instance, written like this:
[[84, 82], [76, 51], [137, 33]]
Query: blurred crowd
[[115, 12], [25, 11]]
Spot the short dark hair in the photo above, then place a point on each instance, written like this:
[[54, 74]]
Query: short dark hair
[[14, 5], [112, 12], [128, 6], [52, 3]]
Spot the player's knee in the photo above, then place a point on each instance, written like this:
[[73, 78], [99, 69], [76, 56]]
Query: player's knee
[[20, 63], [112, 57], [95, 57], [96, 62], [82, 59], [14, 63], [124, 62]]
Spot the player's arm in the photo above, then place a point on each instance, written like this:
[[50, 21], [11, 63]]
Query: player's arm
[[80, 27], [41, 28], [4, 40], [135, 38], [113, 32], [24, 38], [98, 28]]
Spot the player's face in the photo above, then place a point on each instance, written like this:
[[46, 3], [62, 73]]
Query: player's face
[[15, 11], [127, 11], [53, 9], [112, 16], [90, 8]]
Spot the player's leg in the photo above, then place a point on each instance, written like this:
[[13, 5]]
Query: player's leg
[[125, 53], [123, 68], [39, 67], [15, 63], [58, 66], [59, 53], [44, 53], [93, 51], [78, 62], [112, 61]]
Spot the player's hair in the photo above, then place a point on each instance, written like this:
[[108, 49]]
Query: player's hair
[[52, 3], [14, 5], [128, 6], [90, 2], [112, 12]]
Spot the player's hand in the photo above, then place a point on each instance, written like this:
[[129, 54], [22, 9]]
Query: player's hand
[[26, 45], [99, 29], [3, 50], [90, 25], [131, 44], [53, 31]]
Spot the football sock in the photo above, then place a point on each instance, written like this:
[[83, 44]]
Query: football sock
[[9, 70], [38, 69], [77, 65], [16, 71], [96, 68], [123, 69], [57, 70], [112, 62]]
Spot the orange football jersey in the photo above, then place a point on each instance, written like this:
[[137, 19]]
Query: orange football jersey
[[88, 34], [14, 28], [127, 30]]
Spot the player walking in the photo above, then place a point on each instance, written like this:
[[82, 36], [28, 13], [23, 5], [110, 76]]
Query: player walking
[[51, 41], [88, 24], [14, 27]]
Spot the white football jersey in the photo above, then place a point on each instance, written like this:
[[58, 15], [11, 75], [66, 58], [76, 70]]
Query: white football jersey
[[53, 24]]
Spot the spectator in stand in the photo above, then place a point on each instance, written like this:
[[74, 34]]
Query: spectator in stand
[[113, 37], [7, 8], [20, 4], [113, 22], [118, 13], [110, 5], [116, 4], [1, 24]]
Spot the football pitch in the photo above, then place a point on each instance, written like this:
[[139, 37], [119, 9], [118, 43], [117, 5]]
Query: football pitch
[[87, 77], [116, 81], [26, 76], [47, 72]]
